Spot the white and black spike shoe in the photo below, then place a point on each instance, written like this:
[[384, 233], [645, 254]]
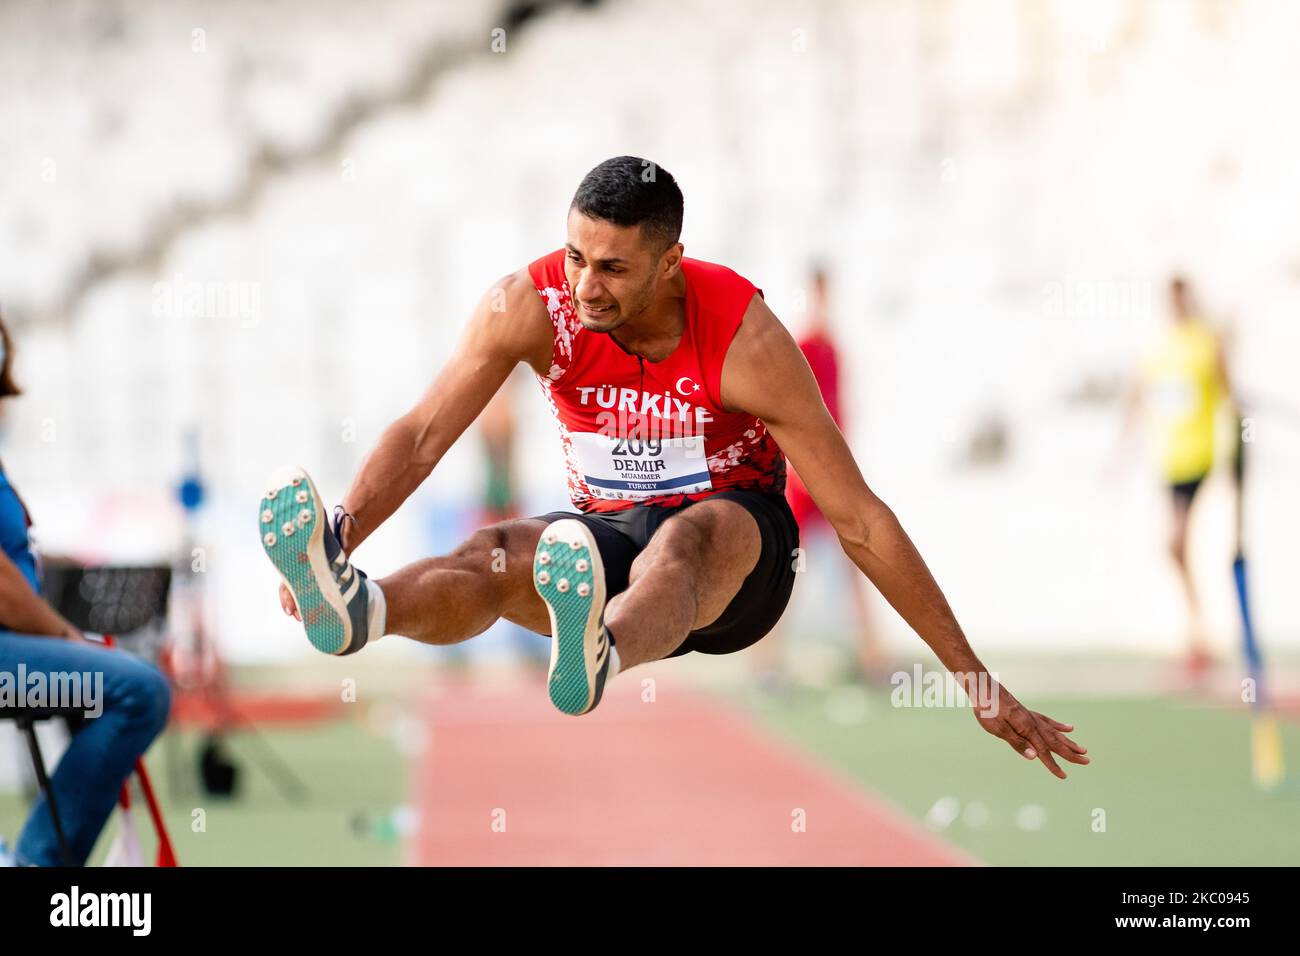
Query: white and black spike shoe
[[338, 604]]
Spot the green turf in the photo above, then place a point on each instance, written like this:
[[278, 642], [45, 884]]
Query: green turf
[[1173, 779], [347, 769]]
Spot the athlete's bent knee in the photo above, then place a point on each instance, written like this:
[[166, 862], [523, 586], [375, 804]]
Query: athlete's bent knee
[[486, 545], [504, 554]]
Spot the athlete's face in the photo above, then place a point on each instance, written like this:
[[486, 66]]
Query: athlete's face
[[612, 271]]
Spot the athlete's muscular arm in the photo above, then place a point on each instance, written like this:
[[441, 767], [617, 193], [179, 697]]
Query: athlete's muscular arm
[[766, 375], [509, 326]]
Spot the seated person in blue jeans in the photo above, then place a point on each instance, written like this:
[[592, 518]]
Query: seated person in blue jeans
[[133, 703]]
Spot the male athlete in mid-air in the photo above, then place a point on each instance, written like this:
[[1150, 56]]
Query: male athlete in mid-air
[[677, 394]]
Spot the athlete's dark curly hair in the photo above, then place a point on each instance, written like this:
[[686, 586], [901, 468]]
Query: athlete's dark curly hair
[[630, 191]]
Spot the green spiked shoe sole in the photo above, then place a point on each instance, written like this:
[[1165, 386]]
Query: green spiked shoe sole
[[291, 521], [571, 580]]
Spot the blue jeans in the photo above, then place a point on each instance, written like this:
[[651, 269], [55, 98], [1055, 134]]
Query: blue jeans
[[134, 700]]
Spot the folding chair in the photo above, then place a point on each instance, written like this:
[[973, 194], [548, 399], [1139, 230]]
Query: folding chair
[[26, 719], [105, 600]]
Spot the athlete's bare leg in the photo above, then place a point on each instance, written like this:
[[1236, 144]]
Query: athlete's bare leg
[[449, 599], [684, 579], [1198, 649]]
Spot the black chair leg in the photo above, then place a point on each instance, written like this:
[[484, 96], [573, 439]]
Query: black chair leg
[[43, 780]]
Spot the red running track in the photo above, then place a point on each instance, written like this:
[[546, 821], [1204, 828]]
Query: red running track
[[682, 781]]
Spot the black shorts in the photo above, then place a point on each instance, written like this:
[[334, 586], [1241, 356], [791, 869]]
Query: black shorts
[[760, 602], [1184, 492]]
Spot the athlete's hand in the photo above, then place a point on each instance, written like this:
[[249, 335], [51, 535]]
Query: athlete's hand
[[288, 603], [1032, 735], [71, 632]]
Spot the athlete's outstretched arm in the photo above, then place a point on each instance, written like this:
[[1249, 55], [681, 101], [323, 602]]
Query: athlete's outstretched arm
[[766, 375], [508, 326]]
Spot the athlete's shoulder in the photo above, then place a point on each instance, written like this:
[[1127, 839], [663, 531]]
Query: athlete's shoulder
[[765, 373], [510, 320], [1195, 334], [713, 281], [1206, 332], [760, 327], [710, 270], [511, 292]]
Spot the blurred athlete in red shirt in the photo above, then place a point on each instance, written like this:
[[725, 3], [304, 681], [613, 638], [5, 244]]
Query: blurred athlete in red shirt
[[818, 347]]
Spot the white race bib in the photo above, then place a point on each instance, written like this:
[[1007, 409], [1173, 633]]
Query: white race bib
[[635, 468]]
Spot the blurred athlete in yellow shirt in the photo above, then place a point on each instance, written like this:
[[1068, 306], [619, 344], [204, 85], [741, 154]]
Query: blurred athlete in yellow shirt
[[1183, 380]]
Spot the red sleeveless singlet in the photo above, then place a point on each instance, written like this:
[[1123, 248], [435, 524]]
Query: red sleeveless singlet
[[639, 432]]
